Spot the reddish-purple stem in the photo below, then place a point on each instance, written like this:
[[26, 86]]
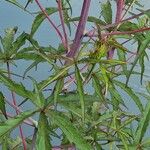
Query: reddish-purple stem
[[63, 23], [14, 102], [50, 21], [120, 6], [80, 29]]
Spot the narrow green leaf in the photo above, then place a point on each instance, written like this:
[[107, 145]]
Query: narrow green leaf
[[43, 138], [20, 41], [57, 89], [40, 18], [90, 19], [144, 44], [142, 64], [128, 26], [98, 88], [130, 92], [70, 131], [80, 90], [124, 141], [122, 57], [143, 124], [10, 124], [40, 100], [52, 78], [14, 2], [116, 97], [2, 104], [107, 12]]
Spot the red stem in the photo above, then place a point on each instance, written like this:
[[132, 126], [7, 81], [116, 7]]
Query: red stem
[[59, 2], [50, 21], [127, 32], [14, 102]]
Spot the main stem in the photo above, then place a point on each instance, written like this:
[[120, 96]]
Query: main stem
[[15, 104], [80, 29]]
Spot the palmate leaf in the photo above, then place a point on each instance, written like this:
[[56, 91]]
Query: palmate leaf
[[43, 138], [143, 124], [107, 12], [75, 109], [19, 89], [80, 90], [8, 39], [10, 124], [70, 131], [142, 47], [130, 92], [40, 18]]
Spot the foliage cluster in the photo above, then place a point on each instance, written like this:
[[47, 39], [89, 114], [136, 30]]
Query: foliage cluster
[[96, 59]]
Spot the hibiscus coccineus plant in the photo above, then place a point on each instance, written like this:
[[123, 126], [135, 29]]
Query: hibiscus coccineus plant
[[82, 103]]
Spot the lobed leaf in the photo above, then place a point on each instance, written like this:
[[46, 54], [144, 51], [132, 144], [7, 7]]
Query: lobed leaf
[[70, 131], [10, 124]]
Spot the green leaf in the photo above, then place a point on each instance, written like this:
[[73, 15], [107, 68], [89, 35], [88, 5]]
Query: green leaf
[[98, 88], [19, 89], [57, 89], [14, 2], [144, 44], [122, 57], [80, 90], [43, 138], [8, 39], [29, 1], [90, 19], [143, 124], [127, 26], [40, 100], [107, 12], [40, 18], [74, 108], [146, 143], [10, 124], [2, 104], [116, 97], [20, 41], [72, 134], [130, 92], [52, 78]]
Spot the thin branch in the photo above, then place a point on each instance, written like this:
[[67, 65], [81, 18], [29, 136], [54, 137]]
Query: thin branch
[[59, 2], [50, 21], [15, 104]]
